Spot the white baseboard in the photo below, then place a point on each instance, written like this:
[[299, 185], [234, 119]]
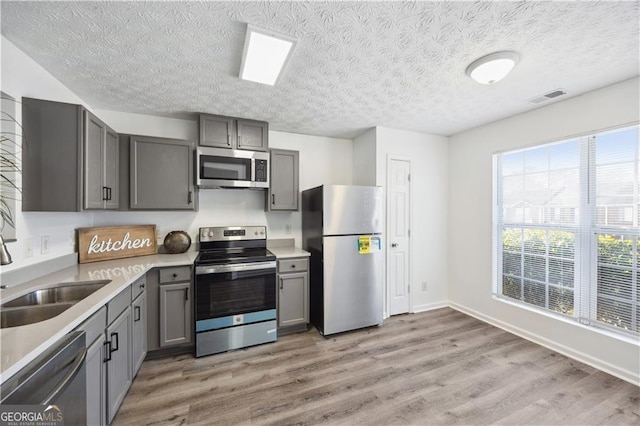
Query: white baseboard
[[618, 372], [430, 306]]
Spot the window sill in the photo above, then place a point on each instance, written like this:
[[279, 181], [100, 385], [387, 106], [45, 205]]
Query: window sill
[[635, 340]]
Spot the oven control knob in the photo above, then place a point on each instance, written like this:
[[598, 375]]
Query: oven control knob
[[261, 232], [210, 234], [256, 232]]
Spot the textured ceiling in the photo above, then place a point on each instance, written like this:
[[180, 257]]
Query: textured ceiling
[[356, 65]]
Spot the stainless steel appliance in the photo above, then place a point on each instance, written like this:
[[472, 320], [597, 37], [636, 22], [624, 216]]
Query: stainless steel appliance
[[342, 228], [235, 294], [57, 377], [228, 168]]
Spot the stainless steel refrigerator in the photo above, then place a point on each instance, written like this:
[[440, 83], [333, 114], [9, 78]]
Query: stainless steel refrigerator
[[342, 228]]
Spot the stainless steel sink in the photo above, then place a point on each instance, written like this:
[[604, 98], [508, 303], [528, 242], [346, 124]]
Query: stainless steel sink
[[14, 317], [59, 294], [46, 303]]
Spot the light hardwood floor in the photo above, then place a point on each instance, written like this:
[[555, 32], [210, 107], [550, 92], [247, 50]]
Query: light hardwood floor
[[432, 368]]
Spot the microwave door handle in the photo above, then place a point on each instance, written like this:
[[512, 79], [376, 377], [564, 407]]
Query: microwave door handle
[[253, 170]]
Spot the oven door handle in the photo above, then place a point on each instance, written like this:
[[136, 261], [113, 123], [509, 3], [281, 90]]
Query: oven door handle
[[239, 267]]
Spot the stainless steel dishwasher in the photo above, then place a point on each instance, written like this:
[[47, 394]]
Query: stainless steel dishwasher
[[56, 377]]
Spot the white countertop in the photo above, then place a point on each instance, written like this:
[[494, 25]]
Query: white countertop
[[287, 252], [20, 345]]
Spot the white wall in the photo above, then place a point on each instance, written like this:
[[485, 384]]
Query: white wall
[[470, 220], [21, 76], [322, 160], [429, 217], [364, 158]]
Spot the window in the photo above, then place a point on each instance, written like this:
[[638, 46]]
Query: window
[[567, 228]]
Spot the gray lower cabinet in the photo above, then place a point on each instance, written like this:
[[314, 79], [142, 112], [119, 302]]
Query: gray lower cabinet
[[117, 336], [138, 332], [234, 133], [170, 321], [70, 160], [161, 174], [96, 382], [175, 314], [119, 365], [96, 367], [284, 187], [293, 295]]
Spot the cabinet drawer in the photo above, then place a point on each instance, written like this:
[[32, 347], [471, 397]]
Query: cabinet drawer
[[138, 287], [118, 304], [177, 274], [292, 265], [94, 326]]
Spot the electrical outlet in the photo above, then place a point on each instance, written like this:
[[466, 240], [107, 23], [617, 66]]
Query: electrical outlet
[[287, 229], [44, 244], [424, 286], [28, 247]]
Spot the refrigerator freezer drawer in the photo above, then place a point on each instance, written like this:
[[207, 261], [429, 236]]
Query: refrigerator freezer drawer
[[352, 285]]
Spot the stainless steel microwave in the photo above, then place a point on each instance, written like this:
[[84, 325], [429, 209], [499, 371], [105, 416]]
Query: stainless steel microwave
[[229, 168]]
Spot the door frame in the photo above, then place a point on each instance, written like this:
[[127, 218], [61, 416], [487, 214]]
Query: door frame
[[387, 304]]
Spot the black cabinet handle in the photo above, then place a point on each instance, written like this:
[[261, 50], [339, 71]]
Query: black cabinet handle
[[293, 266], [281, 283], [239, 140], [190, 197], [109, 188], [142, 285], [273, 198], [175, 275], [186, 294], [136, 310], [107, 346], [105, 193], [117, 345]]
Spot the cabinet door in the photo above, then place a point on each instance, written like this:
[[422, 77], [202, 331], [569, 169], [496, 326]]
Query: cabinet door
[[96, 382], [217, 131], [138, 332], [293, 299], [119, 367], [175, 314], [94, 189], [253, 135], [161, 174], [111, 169], [283, 185]]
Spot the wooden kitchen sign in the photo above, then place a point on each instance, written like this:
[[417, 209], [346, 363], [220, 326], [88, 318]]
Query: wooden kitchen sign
[[115, 242]]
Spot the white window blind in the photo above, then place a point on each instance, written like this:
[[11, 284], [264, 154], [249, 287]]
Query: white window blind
[[567, 228]]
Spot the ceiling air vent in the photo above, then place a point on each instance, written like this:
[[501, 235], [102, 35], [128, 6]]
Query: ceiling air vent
[[547, 96]]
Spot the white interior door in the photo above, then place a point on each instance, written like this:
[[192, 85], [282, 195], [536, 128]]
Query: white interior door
[[398, 248]]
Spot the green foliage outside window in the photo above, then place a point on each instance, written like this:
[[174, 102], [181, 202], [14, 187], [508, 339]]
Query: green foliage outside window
[[539, 268]]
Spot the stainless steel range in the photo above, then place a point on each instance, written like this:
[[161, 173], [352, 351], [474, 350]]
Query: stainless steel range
[[235, 284]]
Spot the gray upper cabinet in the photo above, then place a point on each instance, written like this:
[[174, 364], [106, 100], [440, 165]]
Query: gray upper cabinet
[[253, 135], [217, 131], [69, 158], [100, 164], [161, 174], [283, 194], [234, 133]]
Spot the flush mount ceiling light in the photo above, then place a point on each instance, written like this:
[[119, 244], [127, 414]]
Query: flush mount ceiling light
[[265, 55], [493, 67]]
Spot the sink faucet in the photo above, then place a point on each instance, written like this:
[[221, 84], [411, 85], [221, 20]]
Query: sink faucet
[[5, 257]]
